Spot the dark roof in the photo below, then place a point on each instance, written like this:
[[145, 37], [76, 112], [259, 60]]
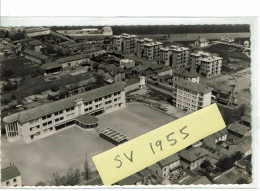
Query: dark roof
[[221, 87], [35, 54], [193, 154], [169, 160], [238, 128], [131, 81], [220, 133], [196, 180], [21, 40], [163, 70], [9, 173], [246, 119], [51, 65], [35, 42], [72, 58], [67, 42], [33, 113], [156, 66], [87, 119], [113, 70], [130, 180], [186, 73], [193, 86]]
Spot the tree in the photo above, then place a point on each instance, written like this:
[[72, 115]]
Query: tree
[[72, 177], [9, 86], [225, 164], [41, 183], [205, 164], [237, 156], [55, 88], [86, 168], [50, 49], [242, 181], [57, 180], [63, 93]]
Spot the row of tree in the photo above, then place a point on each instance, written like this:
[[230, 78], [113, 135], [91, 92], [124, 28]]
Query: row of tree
[[71, 178]]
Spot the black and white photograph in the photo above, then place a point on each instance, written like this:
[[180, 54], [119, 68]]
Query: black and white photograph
[[69, 93]]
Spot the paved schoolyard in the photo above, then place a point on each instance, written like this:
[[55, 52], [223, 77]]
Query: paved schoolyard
[[37, 161]]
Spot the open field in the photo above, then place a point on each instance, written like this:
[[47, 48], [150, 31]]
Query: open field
[[37, 161]]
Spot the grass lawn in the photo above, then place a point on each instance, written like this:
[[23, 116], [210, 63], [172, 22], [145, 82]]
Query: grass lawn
[[37, 161]]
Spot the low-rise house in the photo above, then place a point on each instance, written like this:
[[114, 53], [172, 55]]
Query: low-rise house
[[213, 140], [166, 167], [35, 56], [163, 71], [52, 67], [135, 179], [73, 61], [244, 165], [245, 120], [201, 42], [186, 74], [146, 174], [127, 63], [193, 157], [196, 180], [11, 176], [94, 51], [35, 45], [113, 73], [223, 93], [80, 87], [239, 130]]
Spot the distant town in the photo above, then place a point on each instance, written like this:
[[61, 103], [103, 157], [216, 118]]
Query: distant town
[[68, 94]]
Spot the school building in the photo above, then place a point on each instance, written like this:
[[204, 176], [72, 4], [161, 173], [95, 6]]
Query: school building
[[80, 109]]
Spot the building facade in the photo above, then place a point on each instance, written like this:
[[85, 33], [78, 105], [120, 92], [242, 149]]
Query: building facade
[[73, 61], [180, 57], [44, 120], [11, 177], [124, 43], [190, 96]]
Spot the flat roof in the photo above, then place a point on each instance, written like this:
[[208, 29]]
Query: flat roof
[[35, 54], [51, 65], [193, 86], [72, 58], [186, 73], [87, 119], [9, 173], [114, 135], [211, 58], [34, 113]]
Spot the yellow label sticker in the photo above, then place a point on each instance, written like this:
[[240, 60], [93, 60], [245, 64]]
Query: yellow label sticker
[[131, 157]]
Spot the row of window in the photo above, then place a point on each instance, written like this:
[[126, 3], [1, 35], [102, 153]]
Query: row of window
[[35, 127], [59, 119], [47, 123], [8, 182], [70, 109]]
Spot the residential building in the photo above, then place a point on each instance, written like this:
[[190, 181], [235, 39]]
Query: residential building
[[35, 45], [139, 46], [124, 43], [164, 168], [201, 42], [186, 74], [246, 120], [216, 138], [196, 180], [152, 50], [127, 63], [52, 67], [35, 56], [44, 120], [227, 39], [180, 57], [134, 179], [192, 158], [73, 61], [112, 73], [239, 130], [80, 87], [205, 64], [37, 31], [223, 93], [166, 56], [11, 176], [190, 96]]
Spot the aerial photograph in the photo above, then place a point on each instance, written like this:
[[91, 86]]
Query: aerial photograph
[[69, 93]]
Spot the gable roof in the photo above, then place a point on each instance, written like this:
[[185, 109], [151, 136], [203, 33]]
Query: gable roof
[[184, 72], [51, 65], [193, 86], [72, 58], [169, 160], [238, 128], [34, 113], [35, 42], [193, 154], [220, 133], [35, 54], [9, 173], [113, 70]]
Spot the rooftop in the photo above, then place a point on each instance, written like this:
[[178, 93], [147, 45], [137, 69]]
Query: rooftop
[[211, 58], [130, 180], [113, 134], [220, 133], [223, 88], [193, 154], [163, 70], [238, 128], [35, 54], [72, 58], [169, 160], [87, 119], [51, 65], [185, 72], [9, 173], [193, 86], [35, 42], [34, 113]]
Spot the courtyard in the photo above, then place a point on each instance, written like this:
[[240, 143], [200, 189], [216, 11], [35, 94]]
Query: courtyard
[[38, 160]]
